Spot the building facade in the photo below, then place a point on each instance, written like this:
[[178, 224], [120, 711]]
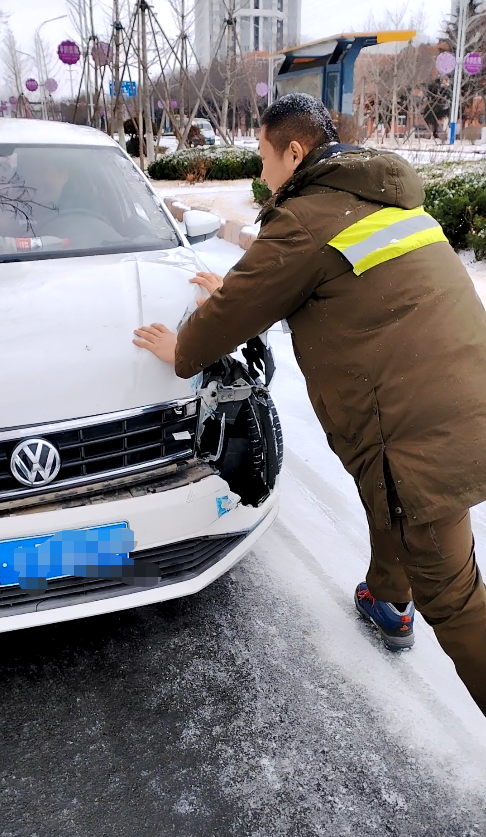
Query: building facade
[[261, 26]]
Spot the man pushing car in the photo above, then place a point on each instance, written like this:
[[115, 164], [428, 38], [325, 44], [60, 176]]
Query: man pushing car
[[391, 338]]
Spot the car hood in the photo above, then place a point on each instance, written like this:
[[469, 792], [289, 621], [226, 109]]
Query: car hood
[[66, 329]]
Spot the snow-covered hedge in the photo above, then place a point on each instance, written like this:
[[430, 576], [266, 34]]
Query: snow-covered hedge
[[449, 170], [211, 163], [456, 197]]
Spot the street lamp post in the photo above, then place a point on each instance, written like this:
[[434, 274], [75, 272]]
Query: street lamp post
[[463, 25], [460, 52], [41, 63], [274, 63], [28, 55], [271, 82]]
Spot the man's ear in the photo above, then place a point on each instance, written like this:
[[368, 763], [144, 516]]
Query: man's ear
[[298, 152]]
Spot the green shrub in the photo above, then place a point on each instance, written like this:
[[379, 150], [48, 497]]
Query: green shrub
[[210, 163], [261, 192], [476, 239], [455, 194]]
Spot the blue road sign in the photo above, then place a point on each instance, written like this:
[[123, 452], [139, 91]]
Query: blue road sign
[[128, 89]]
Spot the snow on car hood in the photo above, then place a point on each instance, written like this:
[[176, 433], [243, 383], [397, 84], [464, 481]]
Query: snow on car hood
[[66, 329]]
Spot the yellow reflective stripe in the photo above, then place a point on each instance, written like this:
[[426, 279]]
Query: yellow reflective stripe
[[393, 251], [372, 224], [389, 235]]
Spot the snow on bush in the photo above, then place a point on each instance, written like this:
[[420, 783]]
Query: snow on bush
[[209, 163], [456, 196]]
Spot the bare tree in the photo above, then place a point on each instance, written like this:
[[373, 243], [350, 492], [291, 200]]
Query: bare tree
[[16, 66], [183, 18], [117, 104], [473, 90], [391, 76]]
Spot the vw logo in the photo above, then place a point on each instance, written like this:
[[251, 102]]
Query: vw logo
[[35, 462]]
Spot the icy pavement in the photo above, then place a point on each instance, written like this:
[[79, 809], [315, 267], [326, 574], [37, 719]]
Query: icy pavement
[[477, 272], [230, 200]]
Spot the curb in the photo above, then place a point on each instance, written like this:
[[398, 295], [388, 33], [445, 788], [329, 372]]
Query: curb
[[235, 232]]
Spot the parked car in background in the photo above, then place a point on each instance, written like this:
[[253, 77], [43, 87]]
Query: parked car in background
[[206, 129], [99, 439], [422, 132]]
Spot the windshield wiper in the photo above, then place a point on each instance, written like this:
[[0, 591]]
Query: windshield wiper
[[102, 250]]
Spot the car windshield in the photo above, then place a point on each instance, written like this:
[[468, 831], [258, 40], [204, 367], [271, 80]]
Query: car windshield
[[62, 200], [203, 124]]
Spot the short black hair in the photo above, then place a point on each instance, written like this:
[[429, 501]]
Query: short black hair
[[299, 117]]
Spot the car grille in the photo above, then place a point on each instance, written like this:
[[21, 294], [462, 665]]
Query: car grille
[[117, 445], [176, 562]]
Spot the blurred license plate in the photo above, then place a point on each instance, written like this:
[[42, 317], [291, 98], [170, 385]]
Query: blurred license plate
[[11, 557]]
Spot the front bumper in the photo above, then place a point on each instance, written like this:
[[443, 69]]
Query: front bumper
[[191, 512]]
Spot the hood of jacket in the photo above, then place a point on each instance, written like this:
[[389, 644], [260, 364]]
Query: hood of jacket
[[382, 177]]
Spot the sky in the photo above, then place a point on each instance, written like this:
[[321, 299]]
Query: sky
[[329, 17], [320, 18]]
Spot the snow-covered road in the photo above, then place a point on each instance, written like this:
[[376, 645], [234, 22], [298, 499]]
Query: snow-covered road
[[319, 550]]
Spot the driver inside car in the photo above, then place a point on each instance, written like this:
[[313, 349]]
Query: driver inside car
[[33, 190], [61, 200], [51, 182], [55, 190]]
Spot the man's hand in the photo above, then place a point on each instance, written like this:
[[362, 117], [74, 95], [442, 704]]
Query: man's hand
[[210, 281], [158, 340]]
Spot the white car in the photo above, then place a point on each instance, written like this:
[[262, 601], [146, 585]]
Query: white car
[[206, 129], [98, 438]]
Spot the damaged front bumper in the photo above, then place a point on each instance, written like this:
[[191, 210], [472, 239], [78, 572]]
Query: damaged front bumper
[[194, 533], [192, 519]]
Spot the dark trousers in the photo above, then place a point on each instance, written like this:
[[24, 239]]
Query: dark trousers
[[434, 563]]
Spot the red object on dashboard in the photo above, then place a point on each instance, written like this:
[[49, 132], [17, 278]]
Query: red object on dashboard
[[23, 243]]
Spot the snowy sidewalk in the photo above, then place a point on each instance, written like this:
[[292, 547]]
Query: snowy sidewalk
[[231, 200]]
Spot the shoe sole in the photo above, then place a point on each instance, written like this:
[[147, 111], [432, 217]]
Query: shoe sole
[[392, 643]]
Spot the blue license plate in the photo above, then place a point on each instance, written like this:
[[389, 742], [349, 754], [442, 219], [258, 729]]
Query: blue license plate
[[78, 552]]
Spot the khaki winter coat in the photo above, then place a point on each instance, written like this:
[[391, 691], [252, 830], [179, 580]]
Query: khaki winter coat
[[394, 359]]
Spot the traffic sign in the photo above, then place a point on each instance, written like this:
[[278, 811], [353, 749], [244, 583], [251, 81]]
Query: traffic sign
[[128, 89], [69, 52], [473, 63], [445, 63]]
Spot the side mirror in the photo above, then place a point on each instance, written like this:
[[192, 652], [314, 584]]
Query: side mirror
[[200, 225]]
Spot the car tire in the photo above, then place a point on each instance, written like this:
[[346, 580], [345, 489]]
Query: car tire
[[273, 440]]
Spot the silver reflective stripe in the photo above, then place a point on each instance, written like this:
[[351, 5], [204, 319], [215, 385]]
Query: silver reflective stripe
[[382, 238]]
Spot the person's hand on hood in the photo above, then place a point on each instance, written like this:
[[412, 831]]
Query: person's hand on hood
[[210, 281], [158, 340]]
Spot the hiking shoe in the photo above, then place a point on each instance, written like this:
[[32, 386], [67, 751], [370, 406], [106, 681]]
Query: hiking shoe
[[395, 627]]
